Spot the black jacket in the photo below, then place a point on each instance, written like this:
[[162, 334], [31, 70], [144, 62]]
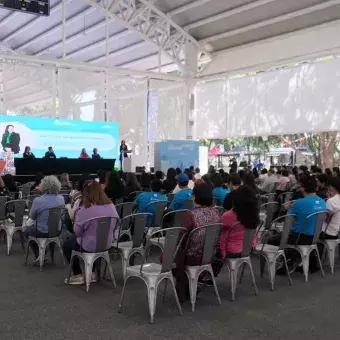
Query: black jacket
[[50, 155], [13, 143]]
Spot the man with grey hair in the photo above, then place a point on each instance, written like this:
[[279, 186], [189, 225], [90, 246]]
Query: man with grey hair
[[37, 224]]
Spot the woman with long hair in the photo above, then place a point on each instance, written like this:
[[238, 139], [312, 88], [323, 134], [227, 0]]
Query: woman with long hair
[[114, 187], [10, 140], [248, 180], [145, 181], [27, 153], [132, 184], [169, 184], [84, 154], [95, 204], [65, 181], [245, 210]]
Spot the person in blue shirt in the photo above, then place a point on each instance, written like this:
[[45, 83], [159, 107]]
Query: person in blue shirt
[[219, 192], [179, 200], [146, 198], [302, 230]]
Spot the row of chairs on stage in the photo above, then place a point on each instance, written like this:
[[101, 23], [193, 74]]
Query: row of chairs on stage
[[135, 236]]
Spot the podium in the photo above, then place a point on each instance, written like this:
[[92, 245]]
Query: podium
[[127, 162]]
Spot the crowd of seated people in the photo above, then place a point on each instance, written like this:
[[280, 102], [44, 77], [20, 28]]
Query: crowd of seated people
[[236, 193]]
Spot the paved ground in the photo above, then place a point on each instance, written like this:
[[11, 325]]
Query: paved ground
[[38, 305]]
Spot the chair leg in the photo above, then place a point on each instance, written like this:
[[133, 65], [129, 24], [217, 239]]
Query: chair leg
[[262, 265], [193, 282], [27, 251], [272, 274], [176, 296], [233, 282], [320, 263], [61, 254], [165, 288], [152, 297], [70, 269], [122, 296], [42, 250], [22, 239], [88, 274], [287, 270], [243, 265], [9, 238], [256, 290], [108, 265], [215, 286], [331, 257], [305, 264]]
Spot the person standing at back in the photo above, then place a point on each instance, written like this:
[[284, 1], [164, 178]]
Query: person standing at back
[[178, 202]]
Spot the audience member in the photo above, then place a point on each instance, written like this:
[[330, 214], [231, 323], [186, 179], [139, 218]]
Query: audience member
[[245, 211], [185, 193], [10, 185], [101, 177], [321, 182], [197, 174], [37, 224], [191, 183], [114, 187], [248, 180], [219, 192], [233, 185], [283, 182], [170, 182], [202, 215], [178, 171], [294, 176], [132, 184], [3, 189], [207, 179], [269, 184], [264, 175], [65, 182], [302, 230], [159, 175], [145, 181], [95, 204], [38, 177]]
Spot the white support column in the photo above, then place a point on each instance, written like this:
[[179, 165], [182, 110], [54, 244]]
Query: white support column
[[190, 71], [63, 30], [2, 106]]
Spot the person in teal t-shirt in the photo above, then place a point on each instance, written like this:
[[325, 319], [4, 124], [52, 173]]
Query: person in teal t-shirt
[[146, 198], [179, 200], [219, 192]]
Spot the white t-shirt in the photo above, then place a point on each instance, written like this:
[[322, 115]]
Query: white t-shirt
[[333, 205]]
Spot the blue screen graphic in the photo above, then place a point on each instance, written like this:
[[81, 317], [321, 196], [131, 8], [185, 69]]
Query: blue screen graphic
[[67, 137]]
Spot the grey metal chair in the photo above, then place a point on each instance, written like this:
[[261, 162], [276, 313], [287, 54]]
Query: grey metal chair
[[25, 191], [125, 209], [118, 200], [330, 248], [55, 216], [133, 195], [158, 207], [153, 274], [14, 210], [102, 250], [134, 226], [306, 250], [267, 212], [270, 254], [172, 219], [235, 263], [210, 234], [285, 197]]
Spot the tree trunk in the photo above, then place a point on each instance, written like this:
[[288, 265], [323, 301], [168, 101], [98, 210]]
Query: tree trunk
[[327, 148]]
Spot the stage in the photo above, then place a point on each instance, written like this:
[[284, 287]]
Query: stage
[[31, 166]]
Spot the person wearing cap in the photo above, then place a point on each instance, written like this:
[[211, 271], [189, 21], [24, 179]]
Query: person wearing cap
[[185, 193], [191, 183]]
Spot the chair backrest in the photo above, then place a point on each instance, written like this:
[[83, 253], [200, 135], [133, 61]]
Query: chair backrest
[[174, 219], [103, 225], [25, 190], [133, 195], [185, 204], [248, 238], [288, 221], [17, 207], [271, 197], [125, 209], [173, 240], [159, 208], [55, 216], [118, 200], [170, 197], [211, 233], [3, 201], [270, 209], [30, 199], [135, 224], [320, 219]]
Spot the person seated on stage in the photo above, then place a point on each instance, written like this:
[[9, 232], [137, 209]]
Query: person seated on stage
[[169, 184], [83, 154], [219, 192], [76, 196], [145, 181], [191, 183], [154, 195], [233, 185], [185, 193], [50, 153], [10, 185], [301, 231], [95, 154], [37, 224], [95, 204], [203, 214], [114, 187], [132, 184], [322, 189], [38, 177], [3, 189], [27, 153], [65, 182]]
